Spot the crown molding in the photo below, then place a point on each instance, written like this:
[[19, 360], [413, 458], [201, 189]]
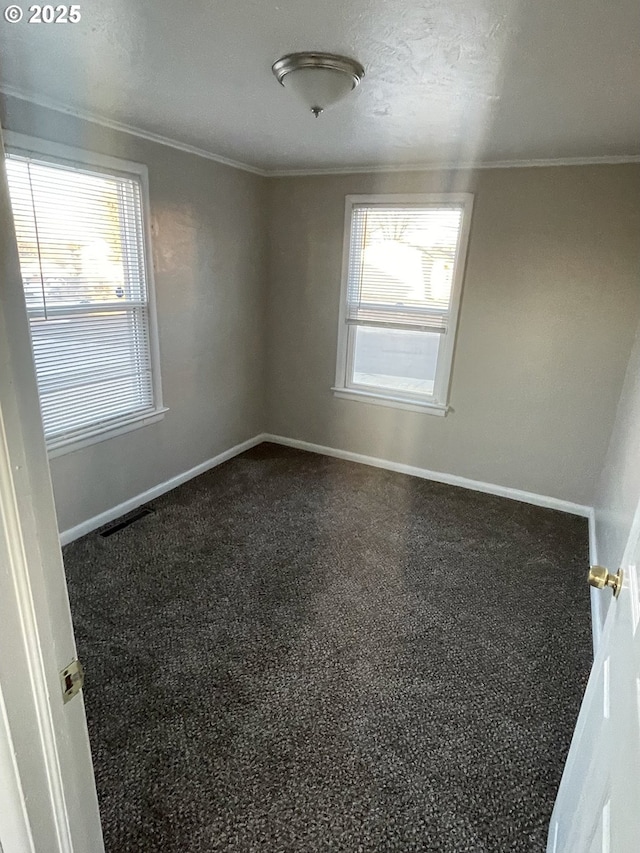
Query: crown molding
[[612, 160], [458, 167], [12, 92]]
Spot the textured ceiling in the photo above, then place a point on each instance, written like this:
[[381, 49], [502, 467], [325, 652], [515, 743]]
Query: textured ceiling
[[447, 80]]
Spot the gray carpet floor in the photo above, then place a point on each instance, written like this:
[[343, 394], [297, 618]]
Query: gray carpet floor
[[297, 653]]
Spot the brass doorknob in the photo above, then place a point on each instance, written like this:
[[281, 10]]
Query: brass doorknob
[[601, 577]]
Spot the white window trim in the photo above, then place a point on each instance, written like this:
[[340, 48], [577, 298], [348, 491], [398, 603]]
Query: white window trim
[[383, 399], [44, 150], [439, 403]]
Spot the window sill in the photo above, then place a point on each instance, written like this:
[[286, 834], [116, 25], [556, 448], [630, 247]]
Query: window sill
[[60, 446], [394, 402]]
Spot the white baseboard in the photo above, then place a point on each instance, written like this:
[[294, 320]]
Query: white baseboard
[[105, 517], [437, 476], [121, 509]]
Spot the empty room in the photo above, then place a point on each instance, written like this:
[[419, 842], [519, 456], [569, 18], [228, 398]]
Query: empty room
[[320, 427]]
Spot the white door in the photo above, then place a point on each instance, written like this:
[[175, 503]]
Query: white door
[[598, 804], [48, 798]]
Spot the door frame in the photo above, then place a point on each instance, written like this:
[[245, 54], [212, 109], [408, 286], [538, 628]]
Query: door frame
[[47, 759]]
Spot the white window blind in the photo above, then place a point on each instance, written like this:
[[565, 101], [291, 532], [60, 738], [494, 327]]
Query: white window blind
[[401, 265], [81, 243]]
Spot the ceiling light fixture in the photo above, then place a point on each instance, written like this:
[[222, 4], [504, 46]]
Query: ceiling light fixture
[[318, 79]]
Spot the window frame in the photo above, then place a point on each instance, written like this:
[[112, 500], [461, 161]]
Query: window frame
[[61, 155], [438, 403]]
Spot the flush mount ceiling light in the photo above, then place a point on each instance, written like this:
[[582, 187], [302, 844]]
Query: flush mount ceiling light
[[318, 79]]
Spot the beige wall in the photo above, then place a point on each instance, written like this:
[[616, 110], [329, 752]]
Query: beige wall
[[549, 310], [209, 258], [248, 336]]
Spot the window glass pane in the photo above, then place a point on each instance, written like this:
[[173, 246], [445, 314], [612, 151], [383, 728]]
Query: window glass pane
[[401, 264], [91, 368], [80, 238], [79, 235], [396, 360]]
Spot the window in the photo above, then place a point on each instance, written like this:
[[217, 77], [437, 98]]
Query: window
[[402, 278], [79, 222]]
